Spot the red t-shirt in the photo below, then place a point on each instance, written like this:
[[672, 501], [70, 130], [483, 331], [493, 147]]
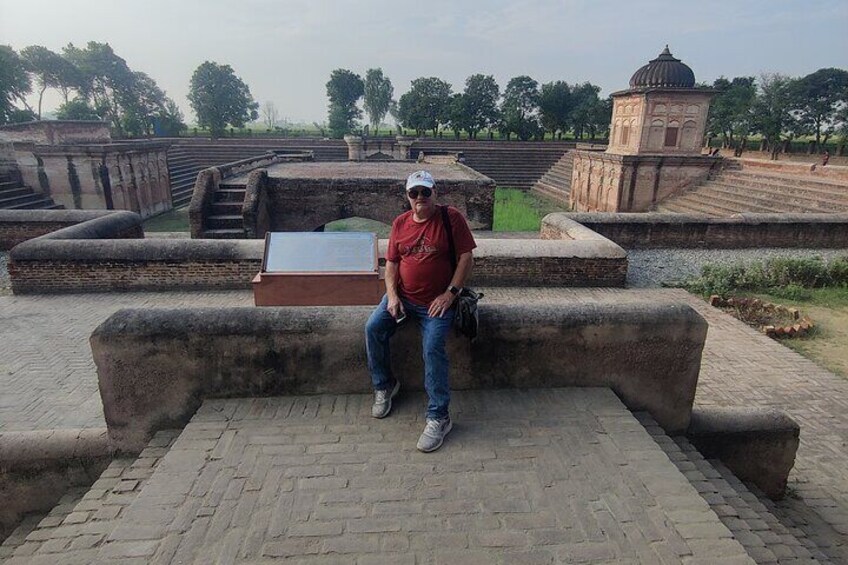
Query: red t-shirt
[[423, 252]]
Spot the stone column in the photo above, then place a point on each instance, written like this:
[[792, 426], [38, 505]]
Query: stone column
[[354, 147]]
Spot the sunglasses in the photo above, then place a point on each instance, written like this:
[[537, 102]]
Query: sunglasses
[[413, 193]]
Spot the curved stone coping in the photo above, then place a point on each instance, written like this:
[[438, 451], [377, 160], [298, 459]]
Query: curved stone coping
[[596, 247], [45, 216], [757, 444], [108, 226], [137, 250], [155, 367], [659, 230], [40, 449]]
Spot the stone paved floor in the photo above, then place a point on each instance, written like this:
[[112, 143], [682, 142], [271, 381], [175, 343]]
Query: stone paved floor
[[541, 476], [48, 380]]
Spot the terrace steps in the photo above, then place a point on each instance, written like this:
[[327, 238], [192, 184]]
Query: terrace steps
[[14, 195], [735, 190], [555, 184]]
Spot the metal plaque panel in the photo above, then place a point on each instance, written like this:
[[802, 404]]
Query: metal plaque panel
[[320, 252]]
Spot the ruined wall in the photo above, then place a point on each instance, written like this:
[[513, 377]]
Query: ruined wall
[[56, 132], [606, 182], [121, 176]]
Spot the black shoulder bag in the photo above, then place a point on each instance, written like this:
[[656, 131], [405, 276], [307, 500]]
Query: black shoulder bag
[[466, 319]]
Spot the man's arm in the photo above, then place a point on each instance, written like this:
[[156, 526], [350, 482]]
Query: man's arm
[[394, 305], [443, 302]]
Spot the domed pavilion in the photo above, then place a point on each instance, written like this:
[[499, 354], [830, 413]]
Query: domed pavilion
[[662, 112], [654, 150]]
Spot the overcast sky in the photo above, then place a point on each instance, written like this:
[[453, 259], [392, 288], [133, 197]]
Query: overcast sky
[[285, 49]]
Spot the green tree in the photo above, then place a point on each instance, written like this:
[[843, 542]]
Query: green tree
[[169, 120], [106, 80], [220, 98], [520, 107], [555, 105], [817, 101], [50, 70], [770, 112], [344, 89], [481, 103], [142, 102], [586, 109], [730, 111], [76, 109], [15, 84], [459, 114], [426, 105], [378, 97]]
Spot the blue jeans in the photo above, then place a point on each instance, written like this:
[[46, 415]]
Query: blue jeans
[[379, 330]]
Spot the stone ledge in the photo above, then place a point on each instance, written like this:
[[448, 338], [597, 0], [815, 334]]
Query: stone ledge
[[758, 445], [17, 226], [658, 230], [155, 367]]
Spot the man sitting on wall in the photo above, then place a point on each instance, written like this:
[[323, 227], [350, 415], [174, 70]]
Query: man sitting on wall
[[420, 284]]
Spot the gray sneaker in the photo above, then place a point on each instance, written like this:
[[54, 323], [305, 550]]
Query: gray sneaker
[[434, 434], [383, 401]]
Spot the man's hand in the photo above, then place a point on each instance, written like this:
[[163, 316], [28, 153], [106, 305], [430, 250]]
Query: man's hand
[[440, 304], [394, 307]]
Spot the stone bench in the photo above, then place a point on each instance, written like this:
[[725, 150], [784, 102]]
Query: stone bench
[[155, 367]]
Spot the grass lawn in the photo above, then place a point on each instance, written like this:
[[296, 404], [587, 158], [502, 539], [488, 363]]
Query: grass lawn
[[517, 210], [173, 221], [826, 344]]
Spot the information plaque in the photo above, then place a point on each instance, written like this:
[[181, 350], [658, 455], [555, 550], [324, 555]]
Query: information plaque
[[318, 269]]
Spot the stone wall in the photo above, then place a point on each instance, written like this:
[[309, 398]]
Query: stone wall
[[114, 176], [657, 230], [56, 132], [605, 182], [156, 366], [17, 226]]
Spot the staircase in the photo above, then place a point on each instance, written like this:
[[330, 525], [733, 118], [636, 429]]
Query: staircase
[[15, 196], [224, 220], [555, 184], [509, 164], [733, 190]]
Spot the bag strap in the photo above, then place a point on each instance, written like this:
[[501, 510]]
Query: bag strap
[[449, 229]]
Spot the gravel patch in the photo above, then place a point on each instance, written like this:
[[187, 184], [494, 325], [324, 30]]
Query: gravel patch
[[648, 268], [5, 283]]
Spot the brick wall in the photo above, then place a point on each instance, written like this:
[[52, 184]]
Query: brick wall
[[640, 231]]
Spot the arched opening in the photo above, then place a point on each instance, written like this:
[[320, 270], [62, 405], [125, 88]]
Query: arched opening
[[359, 224]]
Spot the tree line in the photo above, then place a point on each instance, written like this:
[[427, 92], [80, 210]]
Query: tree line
[[95, 84], [525, 109], [779, 108]]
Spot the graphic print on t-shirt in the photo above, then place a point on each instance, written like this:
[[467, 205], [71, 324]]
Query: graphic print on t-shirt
[[421, 247]]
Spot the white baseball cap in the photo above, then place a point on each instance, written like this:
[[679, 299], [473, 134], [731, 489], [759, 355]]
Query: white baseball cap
[[420, 178]]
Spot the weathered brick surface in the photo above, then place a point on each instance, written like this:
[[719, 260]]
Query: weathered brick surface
[[572, 463]]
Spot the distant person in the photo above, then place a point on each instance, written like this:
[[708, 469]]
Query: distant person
[[825, 157], [422, 285]]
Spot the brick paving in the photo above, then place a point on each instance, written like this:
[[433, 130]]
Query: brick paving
[[541, 476], [48, 381]]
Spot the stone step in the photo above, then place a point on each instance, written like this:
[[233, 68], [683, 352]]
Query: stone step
[[684, 206], [772, 178], [813, 194], [743, 512], [230, 195], [12, 192], [799, 201], [559, 197], [228, 221], [226, 209], [224, 233], [20, 200], [85, 518], [736, 203]]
